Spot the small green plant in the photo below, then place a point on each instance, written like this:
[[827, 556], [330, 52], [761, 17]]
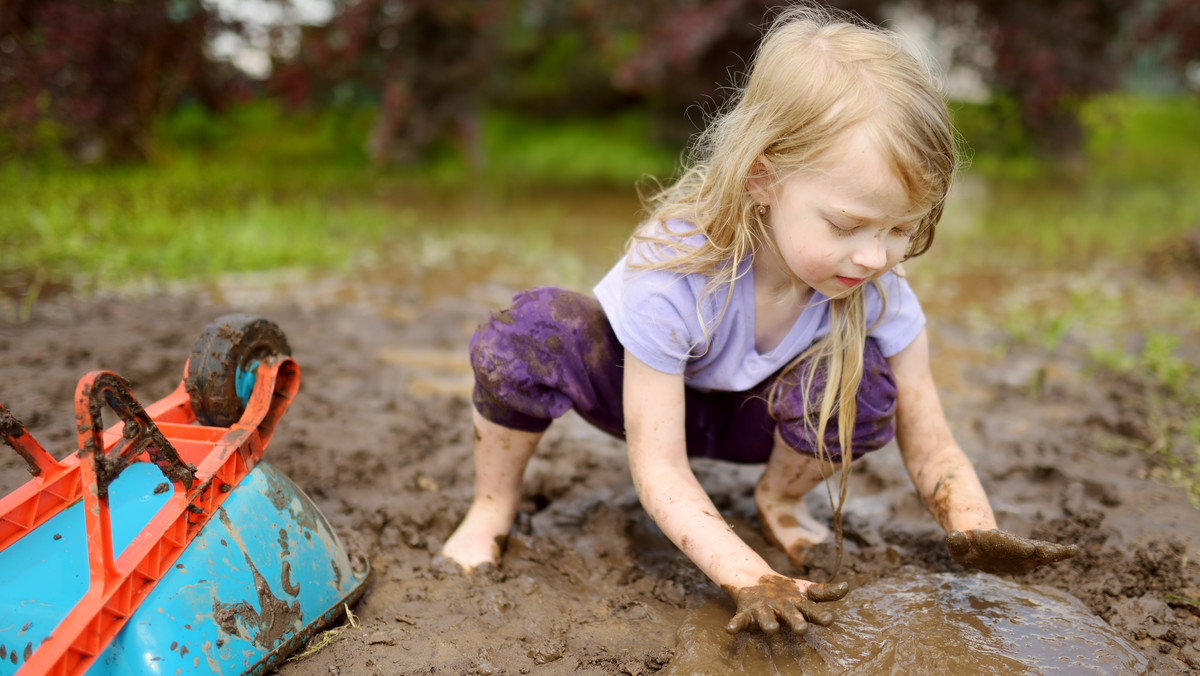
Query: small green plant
[[1172, 403], [326, 638], [1164, 365], [1182, 599]]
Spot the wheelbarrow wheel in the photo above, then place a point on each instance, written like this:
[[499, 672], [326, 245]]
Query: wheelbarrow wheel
[[221, 369]]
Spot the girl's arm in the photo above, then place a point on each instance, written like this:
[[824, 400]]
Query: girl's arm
[[673, 497], [940, 471], [946, 480]]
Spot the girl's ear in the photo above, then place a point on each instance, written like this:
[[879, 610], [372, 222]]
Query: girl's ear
[[760, 181]]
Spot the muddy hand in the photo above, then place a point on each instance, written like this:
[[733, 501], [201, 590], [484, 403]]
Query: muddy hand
[[775, 598], [1001, 553]]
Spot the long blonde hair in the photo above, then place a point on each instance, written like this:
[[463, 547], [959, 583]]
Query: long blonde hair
[[817, 73]]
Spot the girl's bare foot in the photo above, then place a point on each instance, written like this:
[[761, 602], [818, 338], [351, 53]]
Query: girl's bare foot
[[788, 525], [480, 537], [500, 458]]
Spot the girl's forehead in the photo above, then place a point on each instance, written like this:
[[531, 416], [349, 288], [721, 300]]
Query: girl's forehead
[[855, 178], [854, 148]]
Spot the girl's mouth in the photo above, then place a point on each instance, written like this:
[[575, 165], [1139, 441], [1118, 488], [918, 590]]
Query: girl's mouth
[[851, 281]]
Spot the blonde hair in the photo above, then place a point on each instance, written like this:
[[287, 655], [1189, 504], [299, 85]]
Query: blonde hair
[[817, 74]]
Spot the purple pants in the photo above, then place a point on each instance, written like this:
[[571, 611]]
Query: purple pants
[[554, 350]]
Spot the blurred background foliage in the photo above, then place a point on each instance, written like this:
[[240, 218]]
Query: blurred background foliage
[[185, 138], [92, 78]]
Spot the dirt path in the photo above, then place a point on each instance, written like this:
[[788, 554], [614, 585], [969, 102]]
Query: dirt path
[[379, 436]]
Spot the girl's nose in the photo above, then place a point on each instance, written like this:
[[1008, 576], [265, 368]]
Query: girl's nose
[[871, 253]]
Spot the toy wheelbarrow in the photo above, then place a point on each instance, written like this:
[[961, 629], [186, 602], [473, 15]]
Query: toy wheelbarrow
[[164, 545]]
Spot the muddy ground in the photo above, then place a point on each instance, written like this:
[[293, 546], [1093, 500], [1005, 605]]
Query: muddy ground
[[379, 436]]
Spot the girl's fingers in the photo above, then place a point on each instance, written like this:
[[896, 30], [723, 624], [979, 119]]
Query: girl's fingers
[[1052, 553], [828, 592], [765, 617], [1022, 547], [795, 619], [739, 623], [817, 615], [959, 544]]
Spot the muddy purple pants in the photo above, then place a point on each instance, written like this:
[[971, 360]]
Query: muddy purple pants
[[554, 350]]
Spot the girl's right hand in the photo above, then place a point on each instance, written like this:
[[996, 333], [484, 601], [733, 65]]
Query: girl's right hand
[[1003, 553], [775, 598]]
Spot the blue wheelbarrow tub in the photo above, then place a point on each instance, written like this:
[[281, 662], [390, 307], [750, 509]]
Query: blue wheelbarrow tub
[[259, 579]]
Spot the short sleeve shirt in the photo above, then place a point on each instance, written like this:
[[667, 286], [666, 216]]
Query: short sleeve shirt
[[660, 317]]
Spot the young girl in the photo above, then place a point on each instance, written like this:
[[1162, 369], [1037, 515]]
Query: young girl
[[757, 317]]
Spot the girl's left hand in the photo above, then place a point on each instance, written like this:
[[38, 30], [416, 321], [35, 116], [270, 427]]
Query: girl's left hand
[[1003, 553]]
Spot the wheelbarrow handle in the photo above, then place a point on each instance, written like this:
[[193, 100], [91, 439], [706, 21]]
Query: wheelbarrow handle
[[21, 441], [139, 434]]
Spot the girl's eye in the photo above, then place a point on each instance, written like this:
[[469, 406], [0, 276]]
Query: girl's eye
[[905, 232], [840, 231]]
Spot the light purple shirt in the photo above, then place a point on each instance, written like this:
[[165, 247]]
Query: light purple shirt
[[659, 317]]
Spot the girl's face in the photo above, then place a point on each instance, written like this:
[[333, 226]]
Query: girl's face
[[839, 224]]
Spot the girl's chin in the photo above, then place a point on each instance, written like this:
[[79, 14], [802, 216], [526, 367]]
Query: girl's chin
[[837, 290]]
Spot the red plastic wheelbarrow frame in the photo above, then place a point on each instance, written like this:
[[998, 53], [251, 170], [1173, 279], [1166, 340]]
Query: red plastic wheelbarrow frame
[[203, 464]]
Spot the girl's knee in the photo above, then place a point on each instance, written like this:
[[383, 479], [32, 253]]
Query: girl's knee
[[512, 337], [528, 357], [875, 409], [541, 328]]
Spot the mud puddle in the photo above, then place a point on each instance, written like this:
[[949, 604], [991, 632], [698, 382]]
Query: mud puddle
[[914, 622]]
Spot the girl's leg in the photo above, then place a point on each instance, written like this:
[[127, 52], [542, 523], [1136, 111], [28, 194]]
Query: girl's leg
[[551, 351], [793, 468], [500, 458]]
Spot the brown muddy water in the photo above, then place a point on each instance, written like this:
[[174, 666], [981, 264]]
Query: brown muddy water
[[914, 622], [379, 436]]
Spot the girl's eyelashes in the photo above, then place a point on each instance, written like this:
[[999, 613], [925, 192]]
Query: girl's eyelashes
[[846, 231], [841, 231]]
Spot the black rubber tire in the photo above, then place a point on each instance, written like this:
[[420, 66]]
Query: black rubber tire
[[227, 345]]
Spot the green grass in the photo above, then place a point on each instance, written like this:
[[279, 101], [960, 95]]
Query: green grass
[[1076, 246], [1130, 191], [262, 190], [1140, 332], [616, 151], [1136, 138], [258, 189], [118, 225]]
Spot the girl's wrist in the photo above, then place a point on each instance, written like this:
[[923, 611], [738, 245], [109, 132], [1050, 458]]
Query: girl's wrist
[[742, 574], [972, 519]]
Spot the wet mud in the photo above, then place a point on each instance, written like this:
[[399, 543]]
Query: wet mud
[[380, 437]]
